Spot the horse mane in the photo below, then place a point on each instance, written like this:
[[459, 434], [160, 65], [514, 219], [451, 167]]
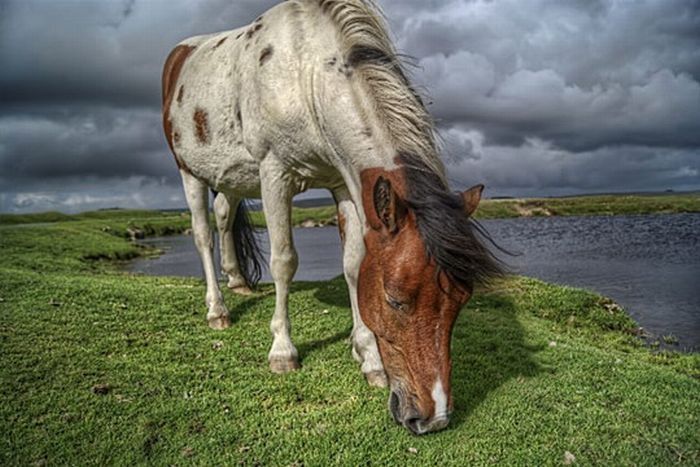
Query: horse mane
[[452, 239], [370, 52]]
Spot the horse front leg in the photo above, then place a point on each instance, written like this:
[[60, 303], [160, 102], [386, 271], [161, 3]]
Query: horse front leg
[[197, 194], [364, 343], [277, 192]]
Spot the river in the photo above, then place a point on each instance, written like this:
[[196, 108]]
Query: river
[[648, 264]]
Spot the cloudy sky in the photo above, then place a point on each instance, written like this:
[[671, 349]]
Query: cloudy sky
[[532, 97]]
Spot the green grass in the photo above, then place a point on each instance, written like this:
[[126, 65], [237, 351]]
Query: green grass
[[100, 367], [103, 215], [603, 205]]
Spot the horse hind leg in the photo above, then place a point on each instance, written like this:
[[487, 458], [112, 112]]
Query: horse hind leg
[[197, 194], [225, 213]]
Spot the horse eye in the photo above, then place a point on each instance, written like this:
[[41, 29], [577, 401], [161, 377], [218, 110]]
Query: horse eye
[[395, 304]]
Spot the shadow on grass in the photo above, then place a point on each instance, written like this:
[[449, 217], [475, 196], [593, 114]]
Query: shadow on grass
[[488, 350], [488, 343], [306, 348], [247, 304], [332, 293]]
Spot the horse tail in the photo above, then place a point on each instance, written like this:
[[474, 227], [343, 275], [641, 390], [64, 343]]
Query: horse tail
[[248, 251]]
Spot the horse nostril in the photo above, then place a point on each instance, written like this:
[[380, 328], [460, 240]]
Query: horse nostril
[[413, 424], [394, 406]]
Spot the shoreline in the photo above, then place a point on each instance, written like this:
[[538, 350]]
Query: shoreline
[[655, 340], [127, 232]]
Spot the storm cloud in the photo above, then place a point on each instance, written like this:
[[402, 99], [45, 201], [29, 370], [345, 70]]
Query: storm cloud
[[532, 98]]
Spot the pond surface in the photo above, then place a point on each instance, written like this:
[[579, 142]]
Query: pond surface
[[648, 264]]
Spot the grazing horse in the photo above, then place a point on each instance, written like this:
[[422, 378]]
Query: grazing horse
[[313, 95]]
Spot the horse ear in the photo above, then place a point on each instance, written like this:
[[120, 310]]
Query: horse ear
[[390, 209], [471, 198]]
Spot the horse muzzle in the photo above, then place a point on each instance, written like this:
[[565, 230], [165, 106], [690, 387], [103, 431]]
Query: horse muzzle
[[405, 413]]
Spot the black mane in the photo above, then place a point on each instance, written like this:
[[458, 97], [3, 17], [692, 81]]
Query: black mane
[[452, 239]]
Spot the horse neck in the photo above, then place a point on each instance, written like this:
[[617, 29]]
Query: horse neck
[[358, 143], [363, 167]]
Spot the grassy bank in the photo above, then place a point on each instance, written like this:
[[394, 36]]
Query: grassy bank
[[101, 367], [607, 205], [604, 205]]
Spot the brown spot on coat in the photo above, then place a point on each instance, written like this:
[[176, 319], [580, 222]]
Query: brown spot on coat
[[220, 42], [341, 227], [180, 94], [345, 69], [251, 31], [171, 74], [265, 54], [201, 124], [331, 63]]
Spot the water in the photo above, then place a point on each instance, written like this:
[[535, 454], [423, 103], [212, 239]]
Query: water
[[648, 264], [320, 256]]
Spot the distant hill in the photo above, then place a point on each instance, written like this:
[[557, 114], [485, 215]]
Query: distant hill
[[314, 203]]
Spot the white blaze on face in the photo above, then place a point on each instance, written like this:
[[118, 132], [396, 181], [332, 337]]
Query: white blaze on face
[[440, 399]]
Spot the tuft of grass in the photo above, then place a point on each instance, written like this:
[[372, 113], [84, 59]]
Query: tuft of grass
[[100, 367], [670, 339]]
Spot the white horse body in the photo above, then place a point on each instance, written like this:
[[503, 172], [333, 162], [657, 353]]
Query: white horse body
[[280, 92], [270, 110]]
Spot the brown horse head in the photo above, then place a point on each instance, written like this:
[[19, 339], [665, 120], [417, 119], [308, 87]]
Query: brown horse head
[[422, 260]]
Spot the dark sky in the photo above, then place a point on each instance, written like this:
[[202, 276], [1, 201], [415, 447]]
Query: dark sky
[[536, 97]]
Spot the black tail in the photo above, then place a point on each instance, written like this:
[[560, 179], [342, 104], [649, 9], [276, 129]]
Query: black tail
[[248, 252]]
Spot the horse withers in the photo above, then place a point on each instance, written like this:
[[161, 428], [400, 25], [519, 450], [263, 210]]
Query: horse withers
[[313, 95]]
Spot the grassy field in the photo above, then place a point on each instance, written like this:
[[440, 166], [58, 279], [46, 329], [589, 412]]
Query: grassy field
[[172, 222], [603, 205], [100, 367]]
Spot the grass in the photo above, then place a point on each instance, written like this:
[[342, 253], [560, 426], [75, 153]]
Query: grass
[[100, 367], [153, 222], [603, 205]]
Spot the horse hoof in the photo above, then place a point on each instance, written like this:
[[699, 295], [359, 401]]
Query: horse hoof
[[376, 379], [220, 322], [283, 365], [241, 290]]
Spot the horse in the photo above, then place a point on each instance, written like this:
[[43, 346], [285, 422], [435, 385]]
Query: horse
[[313, 94]]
